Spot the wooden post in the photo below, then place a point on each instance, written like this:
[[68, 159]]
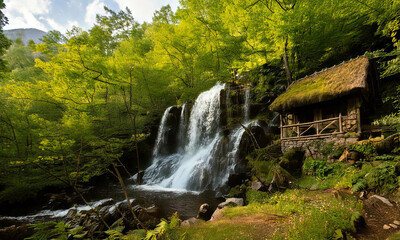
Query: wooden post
[[358, 120], [298, 130], [340, 123], [317, 128], [281, 125]]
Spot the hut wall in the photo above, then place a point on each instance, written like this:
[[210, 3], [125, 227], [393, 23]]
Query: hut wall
[[351, 122], [314, 145]]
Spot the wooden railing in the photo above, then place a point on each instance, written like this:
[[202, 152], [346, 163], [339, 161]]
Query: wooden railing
[[323, 127]]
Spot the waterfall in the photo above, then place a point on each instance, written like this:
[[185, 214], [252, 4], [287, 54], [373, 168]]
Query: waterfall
[[182, 127], [246, 108], [161, 135], [204, 119], [205, 157]]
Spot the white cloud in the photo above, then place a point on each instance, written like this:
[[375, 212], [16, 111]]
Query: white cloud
[[25, 13], [61, 27], [92, 9], [144, 10]]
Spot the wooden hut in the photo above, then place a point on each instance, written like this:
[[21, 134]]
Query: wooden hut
[[329, 105]]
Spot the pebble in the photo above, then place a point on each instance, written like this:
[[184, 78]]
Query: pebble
[[386, 227], [393, 225], [396, 222]]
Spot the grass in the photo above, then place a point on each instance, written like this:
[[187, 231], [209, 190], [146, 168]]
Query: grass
[[295, 214]]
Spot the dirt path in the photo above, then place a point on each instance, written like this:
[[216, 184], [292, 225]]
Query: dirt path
[[377, 214]]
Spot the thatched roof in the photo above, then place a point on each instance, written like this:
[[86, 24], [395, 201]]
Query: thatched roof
[[325, 85]]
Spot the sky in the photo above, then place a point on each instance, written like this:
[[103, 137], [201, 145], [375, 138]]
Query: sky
[[61, 15]]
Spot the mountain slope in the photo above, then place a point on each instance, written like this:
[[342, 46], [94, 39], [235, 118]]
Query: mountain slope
[[25, 34]]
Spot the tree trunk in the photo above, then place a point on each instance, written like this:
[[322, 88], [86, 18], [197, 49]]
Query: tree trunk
[[286, 65]]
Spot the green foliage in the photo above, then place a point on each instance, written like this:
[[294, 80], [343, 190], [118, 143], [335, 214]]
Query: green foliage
[[366, 149], [360, 185], [320, 168], [253, 196], [392, 119], [384, 158], [163, 228], [348, 178], [54, 230], [79, 98], [384, 178], [263, 162], [114, 234], [238, 191]]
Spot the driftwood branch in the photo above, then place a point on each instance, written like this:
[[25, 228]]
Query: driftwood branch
[[121, 181], [251, 135]]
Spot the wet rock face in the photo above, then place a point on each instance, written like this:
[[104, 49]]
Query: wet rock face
[[172, 125], [247, 145], [237, 179]]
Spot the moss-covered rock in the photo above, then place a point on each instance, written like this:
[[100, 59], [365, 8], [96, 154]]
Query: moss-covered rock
[[292, 161]]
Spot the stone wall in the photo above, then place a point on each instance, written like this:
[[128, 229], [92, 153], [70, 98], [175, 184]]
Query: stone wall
[[313, 145], [351, 122]]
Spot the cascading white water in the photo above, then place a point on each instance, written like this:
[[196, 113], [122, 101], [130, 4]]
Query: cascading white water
[[161, 139], [182, 127], [187, 170], [246, 108], [204, 119], [205, 158]]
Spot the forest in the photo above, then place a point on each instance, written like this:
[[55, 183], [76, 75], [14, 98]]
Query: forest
[[76, 107]]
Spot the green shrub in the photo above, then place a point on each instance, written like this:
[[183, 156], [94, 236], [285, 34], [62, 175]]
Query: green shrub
[[384, 177], [318, 167], [327, 149], [360, 185], [347, 179], [366, 149], [384, 158], [253, 196], [238, 191], [54, 230], [263, 161], [337, 152]]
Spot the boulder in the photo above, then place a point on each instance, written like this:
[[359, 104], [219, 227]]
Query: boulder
[[16, 232], [393, 225], [154, 211], [217, 215], [190, 222], [234, 202], [350, 156], [381, 199], [353, 156], [257, 185], [292, 161], [204, 212], [115, 214]]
